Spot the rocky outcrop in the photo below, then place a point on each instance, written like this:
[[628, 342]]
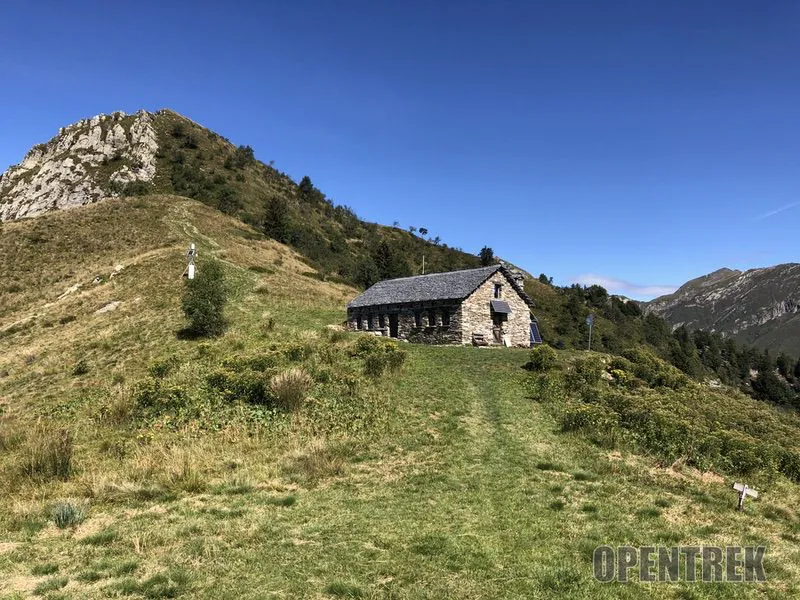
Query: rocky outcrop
[[89, 160], [759, 307]]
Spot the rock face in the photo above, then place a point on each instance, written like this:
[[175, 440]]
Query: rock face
[[760, 307], [92, 159]]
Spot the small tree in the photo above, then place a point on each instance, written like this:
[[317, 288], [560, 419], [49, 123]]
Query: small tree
[[784, 365], [204, 300], [228, 200], [366, 273], [277, 221], [487, 256]]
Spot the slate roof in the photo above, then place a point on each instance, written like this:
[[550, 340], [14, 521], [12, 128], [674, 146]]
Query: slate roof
[[452, 285]]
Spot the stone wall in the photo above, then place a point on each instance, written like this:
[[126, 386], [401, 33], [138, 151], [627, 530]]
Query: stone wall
[[477, 313], [427, 333]]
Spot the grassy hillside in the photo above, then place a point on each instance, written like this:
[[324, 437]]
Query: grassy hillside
[[620, 325], [412, 472], [198, 163]]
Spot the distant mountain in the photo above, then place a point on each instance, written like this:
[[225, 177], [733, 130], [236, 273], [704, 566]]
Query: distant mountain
[[759, 307], [165, 153]]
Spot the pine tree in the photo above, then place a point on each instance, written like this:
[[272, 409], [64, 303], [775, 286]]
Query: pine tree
[[277, 223], [487, 256], [784, 365], [366, 273], [390, 264]]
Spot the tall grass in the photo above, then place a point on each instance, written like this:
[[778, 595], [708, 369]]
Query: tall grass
[[47, 455], [290, 388]]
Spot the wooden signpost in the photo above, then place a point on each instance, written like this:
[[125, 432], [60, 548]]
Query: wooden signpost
[[744, 491]]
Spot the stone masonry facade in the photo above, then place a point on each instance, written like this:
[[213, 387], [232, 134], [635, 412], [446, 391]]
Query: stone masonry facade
[[451, 321], [476, 315]]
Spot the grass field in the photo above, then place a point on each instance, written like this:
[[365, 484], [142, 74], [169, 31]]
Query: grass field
[[442, 480], [468, 492]]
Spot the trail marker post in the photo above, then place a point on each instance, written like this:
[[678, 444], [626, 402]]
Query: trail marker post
[[190, 256], [744, 491]]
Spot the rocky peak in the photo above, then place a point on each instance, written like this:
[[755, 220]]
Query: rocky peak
[[87, 161], [759, 307]]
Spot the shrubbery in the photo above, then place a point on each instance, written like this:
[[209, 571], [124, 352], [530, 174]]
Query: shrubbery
[[262, 388], [650, 404], [204, 300], [379, 355], [542, 358]]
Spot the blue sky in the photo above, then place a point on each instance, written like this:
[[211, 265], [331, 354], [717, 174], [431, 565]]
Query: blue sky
[[635, 144]]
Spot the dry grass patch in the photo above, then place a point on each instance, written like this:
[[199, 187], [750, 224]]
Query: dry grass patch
[[290, 388], [314, 463], [47, 454]]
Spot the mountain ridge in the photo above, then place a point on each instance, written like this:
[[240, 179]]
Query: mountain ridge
[[166, 153], [758, 307]]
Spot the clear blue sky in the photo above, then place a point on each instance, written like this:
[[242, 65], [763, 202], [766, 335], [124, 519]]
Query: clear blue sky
[[645, 142]]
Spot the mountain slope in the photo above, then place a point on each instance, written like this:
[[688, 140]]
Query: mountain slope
[[430, 482], [163, 152], [103, 284], [759, 307]]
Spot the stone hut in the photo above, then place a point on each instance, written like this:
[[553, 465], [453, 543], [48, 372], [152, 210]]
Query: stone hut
[[484, 306]]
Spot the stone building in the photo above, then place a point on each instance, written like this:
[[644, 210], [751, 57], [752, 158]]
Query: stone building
[[482, 306]]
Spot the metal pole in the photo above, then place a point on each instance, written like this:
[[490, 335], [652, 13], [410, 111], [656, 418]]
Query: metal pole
[[590, 335], [423, 264]]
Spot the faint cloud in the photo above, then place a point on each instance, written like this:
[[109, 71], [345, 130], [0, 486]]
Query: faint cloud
[[772, 213], [625, 288]]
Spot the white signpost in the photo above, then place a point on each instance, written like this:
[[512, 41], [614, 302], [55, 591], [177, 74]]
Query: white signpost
[[590, 323], [744, 491], [190, 256]]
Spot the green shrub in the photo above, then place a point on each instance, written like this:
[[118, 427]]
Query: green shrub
[[81, 368], [297, 351], [379, 355], [204, 300], [542, 358], [68, 514], [160, 368], [585, 372], [653, 370], [246, 386], [154, 393], [587, 416]]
